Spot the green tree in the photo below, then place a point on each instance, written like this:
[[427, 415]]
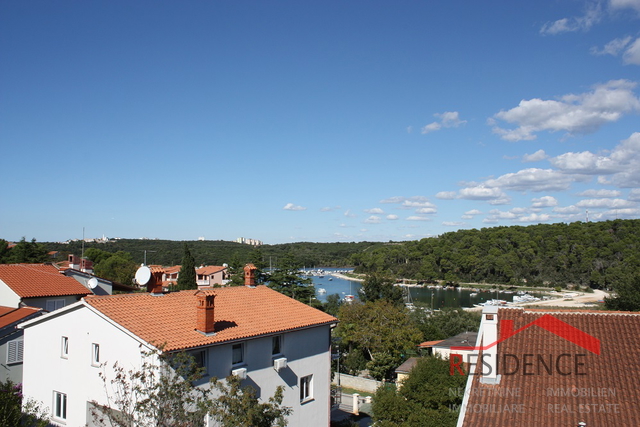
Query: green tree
[[162, 393], [119, 267], [187, 274], [4, 251], [14, 411], [377, 286], [448, 322], [286, 279], [428, 397], [27, 252], [380, 330], [627, 294], [238, 406], [332, 306]]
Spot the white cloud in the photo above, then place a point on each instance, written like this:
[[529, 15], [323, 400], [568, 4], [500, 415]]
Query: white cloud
[[624, 164], [392, 217], [418, 218], [585, 163], [448, 119], [624, 4], [544, 202], [592, 16], [348, 214], [446, 195], [535, 157], [452, 223], [600, 193], [575, 114], [409, 129], [535, 218], [480, 192], [634, 195], [605, 204], [567, 209], [292, 207], [427, 211], [498, 214], [373, 219], [613, 48], [533, 179], [374, 211], [401, 199], [632, 54], [473, 212]]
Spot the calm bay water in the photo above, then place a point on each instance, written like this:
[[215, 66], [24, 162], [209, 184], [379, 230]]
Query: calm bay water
[[436, 298]]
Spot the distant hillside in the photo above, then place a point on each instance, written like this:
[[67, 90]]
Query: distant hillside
[[218, 252], [596, 254]]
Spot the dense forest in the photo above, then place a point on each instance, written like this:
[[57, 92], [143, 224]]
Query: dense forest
[[596, 254], [218, 252]]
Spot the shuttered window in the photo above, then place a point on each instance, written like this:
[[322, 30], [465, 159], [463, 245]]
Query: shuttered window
[[15, 349]]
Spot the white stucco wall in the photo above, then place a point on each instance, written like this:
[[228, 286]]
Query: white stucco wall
[[8, 298], [45, 371]]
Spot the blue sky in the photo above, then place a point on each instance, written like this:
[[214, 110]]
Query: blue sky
[[326, 121]]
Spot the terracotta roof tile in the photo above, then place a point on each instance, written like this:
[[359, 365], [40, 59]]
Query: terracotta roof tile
[[240, 312], [606, 395], [9, 315], [39, 280], [209, 269]]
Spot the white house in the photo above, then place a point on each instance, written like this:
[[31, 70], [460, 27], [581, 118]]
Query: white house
[[251, 331], [38, 285], [11, 341]]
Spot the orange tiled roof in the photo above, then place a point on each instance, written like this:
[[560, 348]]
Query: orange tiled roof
[[240, 312], [9, 315], [606, 395], [209, 269], [39, 280]]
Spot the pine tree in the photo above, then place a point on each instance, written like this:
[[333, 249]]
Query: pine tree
[[187, 275]]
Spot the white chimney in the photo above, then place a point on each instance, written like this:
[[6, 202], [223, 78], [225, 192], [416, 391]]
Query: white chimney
[[489, 331]]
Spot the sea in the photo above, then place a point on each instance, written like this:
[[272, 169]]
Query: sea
[[434, 297]]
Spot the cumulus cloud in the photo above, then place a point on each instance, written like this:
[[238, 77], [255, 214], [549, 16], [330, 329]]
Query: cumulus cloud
[[374, 211], [629, 49], [480, 192], [348, 214], [574, 114], [448, 119], [392, 217], [535, 157], [634, 195], [471, 214], [578, 23], [599, 193], [453, 223], [418, 218], [373, 219], [446, 195], [535, 218], [292, 207], [605, 204], [567, 209], [426, 210], [533, 179], [544, 202]]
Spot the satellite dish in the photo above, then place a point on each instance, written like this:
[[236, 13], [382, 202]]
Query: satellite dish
[[225, 265], [143, 275], [93, 283]]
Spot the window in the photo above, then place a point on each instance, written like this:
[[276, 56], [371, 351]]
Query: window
[[276, 345], [237, 355], [64, 350], [95, 354], [306, 388], [200, 359], [54, 304], [59, 405], [15, 349]]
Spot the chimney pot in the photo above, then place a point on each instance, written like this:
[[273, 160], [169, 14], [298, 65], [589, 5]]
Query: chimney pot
[[250, 275], [205, 306]]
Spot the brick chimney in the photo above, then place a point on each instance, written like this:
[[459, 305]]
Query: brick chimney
[[205, 309], [250, 275], [154, 286]]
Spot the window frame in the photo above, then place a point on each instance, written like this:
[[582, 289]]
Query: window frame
[[59, 405], [18, 351], [64, 347], [95, 354], [306, 388], [241, 362], [279, 347], [58, 303]]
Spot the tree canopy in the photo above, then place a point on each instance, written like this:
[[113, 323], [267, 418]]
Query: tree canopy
[[187, 274]]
